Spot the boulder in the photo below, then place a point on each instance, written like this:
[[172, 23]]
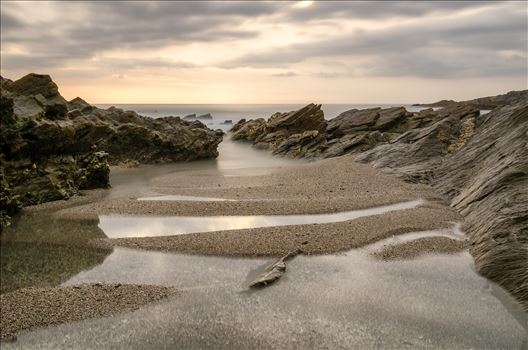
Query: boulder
[[35, 84], [205, 116]]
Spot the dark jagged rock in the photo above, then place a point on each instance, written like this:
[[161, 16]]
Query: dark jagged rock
[[352, 120], [487, 181], [270, 134], [205, 116], [190, 117], [53, 148]]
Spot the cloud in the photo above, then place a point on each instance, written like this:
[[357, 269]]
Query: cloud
[[100, 26], [285, 74], [458, 46], [432, 39]]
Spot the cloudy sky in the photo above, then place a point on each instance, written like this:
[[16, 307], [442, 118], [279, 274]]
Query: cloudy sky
[[268, 52]]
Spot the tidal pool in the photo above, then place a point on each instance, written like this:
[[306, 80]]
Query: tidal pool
[[176, 197], [119, 226], [332, 301]]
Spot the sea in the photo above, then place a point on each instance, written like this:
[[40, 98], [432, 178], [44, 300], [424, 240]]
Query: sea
[[234, 112]]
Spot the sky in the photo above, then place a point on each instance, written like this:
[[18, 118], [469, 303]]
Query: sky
[[268, 52]]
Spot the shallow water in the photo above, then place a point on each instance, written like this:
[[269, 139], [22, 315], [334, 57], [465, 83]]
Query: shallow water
[[234, 159], [176, 197], [119, 226], [333, 301]]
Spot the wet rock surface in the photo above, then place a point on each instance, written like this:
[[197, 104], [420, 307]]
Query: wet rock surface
[[53, 148], [479, 162]]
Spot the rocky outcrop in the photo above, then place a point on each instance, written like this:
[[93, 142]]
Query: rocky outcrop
[[478, 162], [353, 131], [487, 182], [270, 134], [52, 148], [490, 102]]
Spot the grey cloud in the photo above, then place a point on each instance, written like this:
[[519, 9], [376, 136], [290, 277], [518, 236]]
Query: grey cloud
[[321, 10], [285, 74], [439, 48], [118, 24]]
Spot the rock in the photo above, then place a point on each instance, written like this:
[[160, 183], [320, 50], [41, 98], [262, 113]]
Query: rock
[[351, 121], [280, 126], [300, 145], [310, 117], [9, 203], [250, 130], [389, 117], [273, 272], [228, 121], [35, 84], [97, 172], [80, 105], [190, 116], [205, 116], [47, 144], [238, 125], [487, 181], [490, 102]]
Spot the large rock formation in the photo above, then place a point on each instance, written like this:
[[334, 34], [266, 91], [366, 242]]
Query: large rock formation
[[51, 148], [479, 162], [269, 134]]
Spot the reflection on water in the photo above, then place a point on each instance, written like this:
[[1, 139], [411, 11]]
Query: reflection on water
[[453, 232], [118, 226], [433, 301], [234, 159], [37, 251], [176, 197]]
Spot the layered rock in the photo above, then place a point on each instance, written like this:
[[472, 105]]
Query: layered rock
[[52, 148], [269, 134]]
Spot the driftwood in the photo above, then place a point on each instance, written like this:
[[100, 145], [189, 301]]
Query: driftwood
[[273, 272]]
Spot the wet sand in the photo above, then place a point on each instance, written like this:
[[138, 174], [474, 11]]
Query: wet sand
[[325, 186], [420, 246], [40, 307]]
